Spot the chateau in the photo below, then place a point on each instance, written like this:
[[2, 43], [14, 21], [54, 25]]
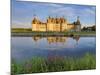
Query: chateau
[[56, 24]]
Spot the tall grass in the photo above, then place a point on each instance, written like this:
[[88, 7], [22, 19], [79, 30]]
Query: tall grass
[[39, 64]]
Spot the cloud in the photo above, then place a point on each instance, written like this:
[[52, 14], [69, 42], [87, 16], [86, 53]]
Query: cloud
[[93, 8], [72, 11], [47, 4], [64, 11], [19, 24], [23, 12], [89, 11], [54, 5]]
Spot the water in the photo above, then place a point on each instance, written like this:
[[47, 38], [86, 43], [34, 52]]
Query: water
[[25, 48]]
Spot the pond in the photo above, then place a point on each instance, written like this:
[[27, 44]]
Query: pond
[[25, 48]]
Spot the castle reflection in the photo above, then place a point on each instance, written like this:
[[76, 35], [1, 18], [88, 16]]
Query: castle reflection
[[56, 43], [56, 39], [36, 38]]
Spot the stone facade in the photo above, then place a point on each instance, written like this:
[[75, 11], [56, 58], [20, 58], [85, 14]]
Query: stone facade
[[55, 24]]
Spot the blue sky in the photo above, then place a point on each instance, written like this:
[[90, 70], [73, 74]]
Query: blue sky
[[23, 12]]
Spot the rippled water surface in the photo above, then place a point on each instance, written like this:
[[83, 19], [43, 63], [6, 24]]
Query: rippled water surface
[[25, 48]]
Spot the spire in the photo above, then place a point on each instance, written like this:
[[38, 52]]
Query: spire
[[78, 21], [77, 18], [63, 16], [49, 17], [34, 15], [35, 20]]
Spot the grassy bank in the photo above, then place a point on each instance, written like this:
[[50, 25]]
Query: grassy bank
[[38, 64], [29, 32], [53, 33]]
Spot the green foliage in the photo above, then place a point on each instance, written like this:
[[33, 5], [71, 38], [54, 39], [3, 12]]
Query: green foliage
[[39, 64], [21, 30]]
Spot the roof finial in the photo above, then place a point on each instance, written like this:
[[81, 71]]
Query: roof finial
[[78, 18], [63, 16], [34, 15]]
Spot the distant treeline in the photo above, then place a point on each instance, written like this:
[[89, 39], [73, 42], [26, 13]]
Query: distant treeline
[[92, 28], [20, 29]]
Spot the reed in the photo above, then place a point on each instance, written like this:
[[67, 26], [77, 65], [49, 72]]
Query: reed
[[39, 64]]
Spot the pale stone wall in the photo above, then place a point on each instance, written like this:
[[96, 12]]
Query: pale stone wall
[[42, 27], [55, 24], [50, 26], [38, 27], [64, 26], [53, 27], [35, 27], [56, 27], [78, 28], [70, 27]]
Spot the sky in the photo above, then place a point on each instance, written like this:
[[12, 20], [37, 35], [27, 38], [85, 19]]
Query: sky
[[23, 12]]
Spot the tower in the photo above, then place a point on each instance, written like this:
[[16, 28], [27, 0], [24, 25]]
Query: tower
[[78, 20], [35, 22], [78, 24]]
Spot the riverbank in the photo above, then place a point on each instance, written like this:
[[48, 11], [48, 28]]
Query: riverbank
[[30, 33], [55, 64]]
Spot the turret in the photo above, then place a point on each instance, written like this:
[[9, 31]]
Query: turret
[[78, 24], [35, 21], [48, 19], [78, 21]]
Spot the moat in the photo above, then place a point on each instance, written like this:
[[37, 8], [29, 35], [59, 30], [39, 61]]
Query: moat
[[25, 48]]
